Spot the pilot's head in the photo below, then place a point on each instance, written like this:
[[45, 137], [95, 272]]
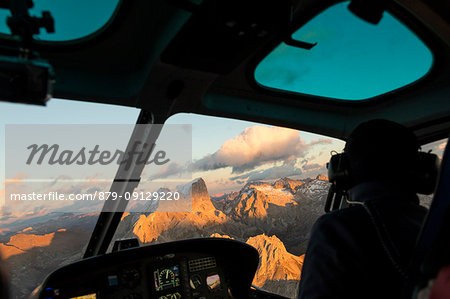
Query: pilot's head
[[381, 150]]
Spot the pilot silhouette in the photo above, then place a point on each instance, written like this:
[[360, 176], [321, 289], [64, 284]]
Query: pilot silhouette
[[363, 251]]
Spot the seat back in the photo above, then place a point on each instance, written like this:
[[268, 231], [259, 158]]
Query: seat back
[[433, 243]]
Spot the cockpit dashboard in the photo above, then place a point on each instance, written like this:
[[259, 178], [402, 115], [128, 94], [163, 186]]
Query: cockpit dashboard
[[199, 268]]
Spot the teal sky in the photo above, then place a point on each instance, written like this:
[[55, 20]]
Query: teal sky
[[353, 60], [73, 18]]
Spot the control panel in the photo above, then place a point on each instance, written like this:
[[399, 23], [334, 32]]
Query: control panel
[[199, 268]]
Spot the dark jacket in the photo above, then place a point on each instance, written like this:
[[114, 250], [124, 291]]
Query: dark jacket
[[345, 257]]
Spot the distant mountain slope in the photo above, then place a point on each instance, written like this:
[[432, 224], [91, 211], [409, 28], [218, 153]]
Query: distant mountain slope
[[256, 199], [278, 270], [275, 262], [311, 197], [33, 252], [8, 250], [22, 242], [288, 184]]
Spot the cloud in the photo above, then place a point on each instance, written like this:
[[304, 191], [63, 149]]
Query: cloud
[[256, 146], [14, 184], [167, 170], [285, 170], [58, 179], [320, 141], [18, 178], [309, 167]]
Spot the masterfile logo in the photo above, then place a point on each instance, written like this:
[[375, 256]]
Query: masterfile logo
[[54, 156], [76, 165]]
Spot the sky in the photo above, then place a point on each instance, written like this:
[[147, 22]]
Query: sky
[[73, 18], [214, 140], [352, 60], [226, 153], [236, 152]]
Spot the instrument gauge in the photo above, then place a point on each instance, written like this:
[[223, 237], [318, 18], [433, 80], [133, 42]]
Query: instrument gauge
[[166, 276], [195, 282]]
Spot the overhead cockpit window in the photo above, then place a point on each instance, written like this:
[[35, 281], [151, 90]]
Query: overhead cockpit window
[[352, 60], [74, 19]]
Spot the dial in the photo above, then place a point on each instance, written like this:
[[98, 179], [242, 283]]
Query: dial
[[195, 282], [175, 296], [166, 276], [171, 296]]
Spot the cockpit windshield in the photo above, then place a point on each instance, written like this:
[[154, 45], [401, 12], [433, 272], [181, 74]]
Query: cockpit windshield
[[37, 236], [249, 182], [245, 181]]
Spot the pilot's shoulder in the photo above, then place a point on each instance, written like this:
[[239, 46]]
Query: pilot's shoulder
[[335, 219]]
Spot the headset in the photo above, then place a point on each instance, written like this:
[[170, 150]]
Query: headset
[[424, 177]]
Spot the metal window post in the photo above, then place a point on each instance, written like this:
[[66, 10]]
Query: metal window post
[[126, 180]]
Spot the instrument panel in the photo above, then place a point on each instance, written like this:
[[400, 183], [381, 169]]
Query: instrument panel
[[197, 269]]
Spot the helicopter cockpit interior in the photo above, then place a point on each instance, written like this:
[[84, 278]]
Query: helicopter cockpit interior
[[322, 67]]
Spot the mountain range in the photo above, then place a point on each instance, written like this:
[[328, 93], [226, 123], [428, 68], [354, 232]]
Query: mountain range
[[273, 217]]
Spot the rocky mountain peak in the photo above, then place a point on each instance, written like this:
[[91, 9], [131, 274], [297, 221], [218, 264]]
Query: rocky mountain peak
[[255, 199], [160, 225], [322, 177], [199, 191], [264, 243], [275, 262], [287, 184], [195, 189]]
